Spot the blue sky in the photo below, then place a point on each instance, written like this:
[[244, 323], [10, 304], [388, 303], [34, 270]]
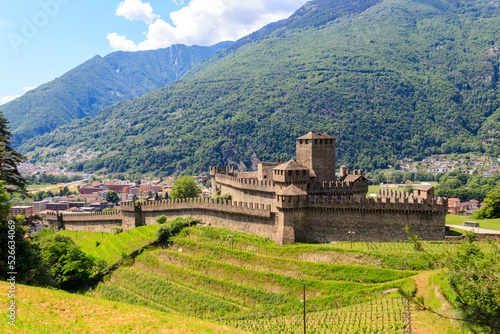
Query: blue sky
[[42, 39]]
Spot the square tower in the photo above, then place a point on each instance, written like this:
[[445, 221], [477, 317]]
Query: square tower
[[316, 150]]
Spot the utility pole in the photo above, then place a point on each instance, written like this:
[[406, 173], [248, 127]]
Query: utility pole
[[304, 283]]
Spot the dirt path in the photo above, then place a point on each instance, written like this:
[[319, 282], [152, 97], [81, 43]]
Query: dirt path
[[424, 322]]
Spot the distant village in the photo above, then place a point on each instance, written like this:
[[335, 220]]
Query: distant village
[[91, 195], [436, 164]]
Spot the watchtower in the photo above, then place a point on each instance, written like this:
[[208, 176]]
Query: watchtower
[[316, 150]]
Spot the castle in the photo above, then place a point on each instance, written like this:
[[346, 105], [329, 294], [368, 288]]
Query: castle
[[301, 200]]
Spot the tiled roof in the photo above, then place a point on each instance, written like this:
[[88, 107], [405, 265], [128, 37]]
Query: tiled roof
[[292, 190], [290, 165], [316, 135], [422, 187]]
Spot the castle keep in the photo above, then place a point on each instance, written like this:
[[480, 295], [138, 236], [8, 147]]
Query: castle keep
[[301, 200]]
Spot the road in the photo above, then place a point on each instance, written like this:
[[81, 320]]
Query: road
[[57, 186], [474, 229]]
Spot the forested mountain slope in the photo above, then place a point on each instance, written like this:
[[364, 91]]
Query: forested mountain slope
[[99, 83], [388, 78]]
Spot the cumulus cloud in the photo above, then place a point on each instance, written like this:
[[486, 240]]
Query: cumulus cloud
[[207, 22], [27, 89], [7, 99], [121, 43], [136, 10]]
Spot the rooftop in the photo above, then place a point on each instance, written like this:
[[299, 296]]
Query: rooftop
[[290, 165], [316, 135], [292, 190]]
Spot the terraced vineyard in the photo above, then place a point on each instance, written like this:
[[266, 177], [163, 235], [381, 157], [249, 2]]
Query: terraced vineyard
[[386, 315], [247, 282]]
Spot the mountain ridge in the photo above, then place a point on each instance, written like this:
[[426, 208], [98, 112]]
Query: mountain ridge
[[98, 83], [389, 79]]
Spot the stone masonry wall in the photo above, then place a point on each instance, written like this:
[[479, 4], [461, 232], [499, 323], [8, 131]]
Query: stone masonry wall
[[93, 222], [245, 190], [328, 218]]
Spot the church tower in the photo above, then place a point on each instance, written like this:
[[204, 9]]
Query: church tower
[[316, 150]]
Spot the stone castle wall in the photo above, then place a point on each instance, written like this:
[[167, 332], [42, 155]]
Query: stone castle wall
[[330, 218], [254, 218], [245, 190], [312, 218], [94, 222]]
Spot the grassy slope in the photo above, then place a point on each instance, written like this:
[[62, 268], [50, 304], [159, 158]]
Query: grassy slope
[[205, 275], [111, 246], [50, 311]]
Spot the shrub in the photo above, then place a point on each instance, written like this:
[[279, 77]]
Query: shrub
[[161, 219], [117, 230]]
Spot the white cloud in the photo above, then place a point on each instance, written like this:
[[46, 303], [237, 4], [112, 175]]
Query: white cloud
[[207, 22], [27, 89], [121, 43], [136, 10], [6, 99]]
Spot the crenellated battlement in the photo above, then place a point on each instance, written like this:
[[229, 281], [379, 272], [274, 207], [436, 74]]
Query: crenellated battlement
[[79, 216], [338, 188], [216, 205], [225, 170], [397, 203], [248, 184]]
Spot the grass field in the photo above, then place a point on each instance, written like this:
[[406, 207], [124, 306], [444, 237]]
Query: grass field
[[247, 282], [112, 247], [50, 311], [492, 224], [374, 188]]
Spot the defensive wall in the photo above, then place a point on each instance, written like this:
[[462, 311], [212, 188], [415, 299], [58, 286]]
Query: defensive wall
[[245, 190], [311, 218], [244, 217], [331, 218], [95, 222]]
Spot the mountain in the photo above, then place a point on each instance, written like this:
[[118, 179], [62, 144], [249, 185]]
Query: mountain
[[388, 78], [99, 83]]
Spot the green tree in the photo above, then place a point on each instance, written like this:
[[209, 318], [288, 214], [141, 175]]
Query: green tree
[[112, 196], [70, 267], [161, 219], [491, 208], [475, 285], [184, 187], [29, 262], [9, 159]]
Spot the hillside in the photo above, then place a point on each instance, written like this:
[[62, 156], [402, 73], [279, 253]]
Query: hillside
[[388, 78], [99, 83], [248, 282], [50, 311]]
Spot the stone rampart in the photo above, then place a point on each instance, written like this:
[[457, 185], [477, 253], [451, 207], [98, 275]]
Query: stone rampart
[[246, 184], [330, 218], [96, 222], [337, 188], [239, 216]]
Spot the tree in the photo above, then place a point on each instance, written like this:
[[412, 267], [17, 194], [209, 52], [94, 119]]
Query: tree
[[9, 159], [112, 196], [184, 187], [474, 285], [29, 261], [491, 208]]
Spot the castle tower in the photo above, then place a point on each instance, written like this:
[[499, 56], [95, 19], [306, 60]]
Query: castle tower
[[290, 173], [316, 150]]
